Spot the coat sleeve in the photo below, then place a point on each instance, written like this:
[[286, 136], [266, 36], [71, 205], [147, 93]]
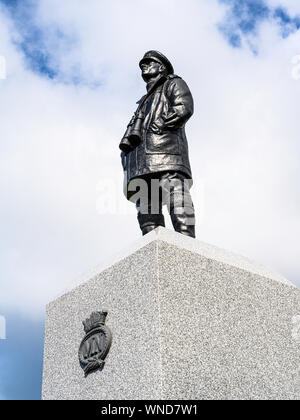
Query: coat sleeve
[[181, 104]]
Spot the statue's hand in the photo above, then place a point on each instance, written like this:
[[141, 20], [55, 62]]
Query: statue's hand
[[157, 126]]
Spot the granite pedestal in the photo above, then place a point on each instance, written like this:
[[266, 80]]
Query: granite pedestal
[[188, 320]]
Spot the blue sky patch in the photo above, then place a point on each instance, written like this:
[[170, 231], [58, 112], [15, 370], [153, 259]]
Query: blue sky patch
[[244, 17], [287, 24], [33, 42], [40, 44], [21, 359]]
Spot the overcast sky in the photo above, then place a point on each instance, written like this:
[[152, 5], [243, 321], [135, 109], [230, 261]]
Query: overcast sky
[[71, 83]]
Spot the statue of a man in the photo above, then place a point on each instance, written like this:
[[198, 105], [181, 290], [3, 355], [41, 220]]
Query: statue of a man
[[154, 148]]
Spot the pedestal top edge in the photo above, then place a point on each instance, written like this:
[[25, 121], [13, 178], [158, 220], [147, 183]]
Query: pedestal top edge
[[187, 243]]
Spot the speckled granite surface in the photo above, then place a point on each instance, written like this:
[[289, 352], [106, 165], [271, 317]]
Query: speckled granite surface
[[189, 321]]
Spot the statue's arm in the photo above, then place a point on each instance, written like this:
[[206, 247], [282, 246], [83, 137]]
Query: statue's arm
[[181, 104]]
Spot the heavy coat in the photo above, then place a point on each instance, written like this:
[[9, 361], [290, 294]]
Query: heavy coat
[[164, 145]]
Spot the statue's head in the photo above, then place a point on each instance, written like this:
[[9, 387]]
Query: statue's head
[[154, 63]]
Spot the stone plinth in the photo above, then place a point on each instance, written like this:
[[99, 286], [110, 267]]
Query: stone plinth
[[189, 321]]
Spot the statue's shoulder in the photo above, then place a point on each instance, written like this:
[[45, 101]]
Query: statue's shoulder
[[173, 76], [172, 79], [175, 82]]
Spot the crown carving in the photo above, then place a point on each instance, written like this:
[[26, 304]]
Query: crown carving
[[95, 320]]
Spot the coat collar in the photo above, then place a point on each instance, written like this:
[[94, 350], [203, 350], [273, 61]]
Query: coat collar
[[152, 87]]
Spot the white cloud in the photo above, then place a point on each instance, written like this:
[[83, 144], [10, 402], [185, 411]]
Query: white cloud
[[58, 141]]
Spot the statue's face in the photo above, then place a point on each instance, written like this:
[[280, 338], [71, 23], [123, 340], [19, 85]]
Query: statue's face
[[151, 69]]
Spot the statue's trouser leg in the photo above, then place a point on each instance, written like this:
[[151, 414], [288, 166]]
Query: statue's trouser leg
[[149, 209], [172, 189], [176, 194]]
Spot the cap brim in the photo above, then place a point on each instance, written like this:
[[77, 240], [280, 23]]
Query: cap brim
[[145, 60]]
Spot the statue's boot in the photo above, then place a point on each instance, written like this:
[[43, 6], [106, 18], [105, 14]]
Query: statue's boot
[[148, 229], [184, 223], [149, 222]]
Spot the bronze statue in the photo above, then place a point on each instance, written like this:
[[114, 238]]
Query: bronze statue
[[154, 148]]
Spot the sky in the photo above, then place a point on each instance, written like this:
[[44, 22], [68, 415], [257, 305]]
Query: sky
[[69, 81]]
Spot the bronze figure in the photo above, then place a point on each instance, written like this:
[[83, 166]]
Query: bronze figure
[[155, 150]]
